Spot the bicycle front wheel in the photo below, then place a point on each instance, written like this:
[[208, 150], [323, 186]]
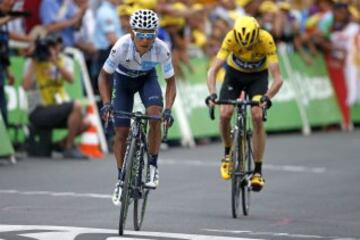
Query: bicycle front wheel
[[140, 202], [126, 191], [245, 184], [235, 176]]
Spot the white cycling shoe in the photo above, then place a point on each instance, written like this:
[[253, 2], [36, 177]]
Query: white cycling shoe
[[154, 178], [116, 197]]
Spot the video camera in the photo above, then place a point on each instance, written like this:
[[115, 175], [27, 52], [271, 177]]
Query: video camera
[[42, 47], [16, 14]]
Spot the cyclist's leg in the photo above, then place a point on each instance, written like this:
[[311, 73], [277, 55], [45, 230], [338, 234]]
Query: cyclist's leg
[[122, 100], [151, 97], [256, 89], [230, 89], [226, 112]]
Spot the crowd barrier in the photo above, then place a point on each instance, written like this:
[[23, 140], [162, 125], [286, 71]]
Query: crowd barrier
[[306, 100], [6, 148]]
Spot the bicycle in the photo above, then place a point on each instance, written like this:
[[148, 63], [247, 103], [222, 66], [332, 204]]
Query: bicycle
[[241, 155], [136, 168]]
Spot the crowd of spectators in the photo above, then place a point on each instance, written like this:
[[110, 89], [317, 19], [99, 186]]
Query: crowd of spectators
[[187, 26]]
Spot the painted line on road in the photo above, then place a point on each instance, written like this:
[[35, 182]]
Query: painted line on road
[[280, 234], [70, 233], [285, 168], [56, 194]]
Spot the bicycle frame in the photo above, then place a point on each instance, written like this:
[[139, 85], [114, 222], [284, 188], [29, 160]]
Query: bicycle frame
[[241, 154], [135, 168]]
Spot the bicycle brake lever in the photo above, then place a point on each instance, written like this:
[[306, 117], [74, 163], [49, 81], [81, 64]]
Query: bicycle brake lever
[[212, 113], [264, 114], [164, 138]]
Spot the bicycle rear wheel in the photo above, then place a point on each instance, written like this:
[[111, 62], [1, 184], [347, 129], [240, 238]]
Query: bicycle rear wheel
[[245, 183], [141, 201], [235, 176], [126, 191]]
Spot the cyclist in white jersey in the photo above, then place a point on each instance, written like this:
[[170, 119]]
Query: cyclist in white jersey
[[131, 63]]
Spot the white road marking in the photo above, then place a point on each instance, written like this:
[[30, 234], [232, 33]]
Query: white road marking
[[271, 235], [70, 233], [285, 168], [56, 194]]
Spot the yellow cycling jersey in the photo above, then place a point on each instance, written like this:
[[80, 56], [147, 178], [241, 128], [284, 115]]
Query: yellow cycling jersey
[[50, 83], [255, 59]]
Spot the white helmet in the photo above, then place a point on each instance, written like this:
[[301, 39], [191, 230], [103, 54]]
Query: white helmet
[[144, 19]]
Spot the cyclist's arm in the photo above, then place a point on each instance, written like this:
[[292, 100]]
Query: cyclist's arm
[[220, 59], [273, 61], [104, 86], [104, 78], [276, 84], [170, 93], [213, 70]]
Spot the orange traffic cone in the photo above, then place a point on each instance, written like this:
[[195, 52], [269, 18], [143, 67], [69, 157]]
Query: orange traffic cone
[[90, 144]]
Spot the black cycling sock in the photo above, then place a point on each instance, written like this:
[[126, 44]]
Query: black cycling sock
[[119, 173], [258, 167], [227, 150], [153, 159]]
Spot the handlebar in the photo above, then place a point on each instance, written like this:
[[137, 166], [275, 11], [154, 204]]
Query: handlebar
[[237, 103], [136, 115], [139, 116]]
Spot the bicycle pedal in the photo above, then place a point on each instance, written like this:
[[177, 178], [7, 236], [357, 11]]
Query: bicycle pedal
[[245, 183], [136, 194], [148, 187]]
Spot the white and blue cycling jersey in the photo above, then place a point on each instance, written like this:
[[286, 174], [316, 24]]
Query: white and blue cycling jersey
[[125, 60]]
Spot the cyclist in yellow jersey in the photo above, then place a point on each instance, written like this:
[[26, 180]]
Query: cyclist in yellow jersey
[[248, 53]]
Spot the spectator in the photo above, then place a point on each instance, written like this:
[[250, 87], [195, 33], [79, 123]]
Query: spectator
[[84, 36], [33, 7], [345, 39], [61, 16], [50, 106], [124, 11], [5, 7], [108, 30]]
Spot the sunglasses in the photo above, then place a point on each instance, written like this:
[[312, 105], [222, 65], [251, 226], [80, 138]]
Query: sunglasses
[[142, 35]]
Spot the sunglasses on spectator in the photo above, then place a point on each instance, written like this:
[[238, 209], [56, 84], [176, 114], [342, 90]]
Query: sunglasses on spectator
[[142, 35]]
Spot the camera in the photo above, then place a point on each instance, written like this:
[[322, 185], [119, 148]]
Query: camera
[[42, 47]]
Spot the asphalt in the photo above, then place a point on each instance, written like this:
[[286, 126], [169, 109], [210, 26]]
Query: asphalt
[[312, 192]]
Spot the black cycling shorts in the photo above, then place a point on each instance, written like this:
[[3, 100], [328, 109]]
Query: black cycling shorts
[[52, 116], [235, 81], [124, 89]]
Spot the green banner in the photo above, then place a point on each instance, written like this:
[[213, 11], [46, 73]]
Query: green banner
[[284, 115], [6, 148], [190, 99], [355, 113], [317, 95], [17, 102], [306, 98]]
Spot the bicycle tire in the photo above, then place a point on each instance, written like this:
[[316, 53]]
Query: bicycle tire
[[125, 196], [245, 186], [140, 203], [235, 178]]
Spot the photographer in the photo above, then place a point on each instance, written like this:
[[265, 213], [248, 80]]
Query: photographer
[[6, 16], [49, 104], [5, 6]]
